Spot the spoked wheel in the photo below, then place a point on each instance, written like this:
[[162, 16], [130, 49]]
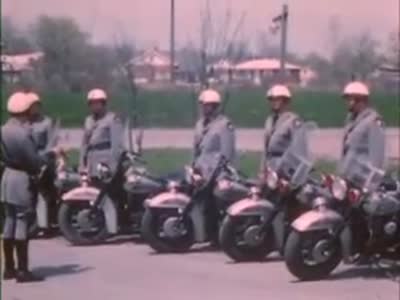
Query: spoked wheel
[[165, 232], [312, 255], [82, 225], [242, 239]]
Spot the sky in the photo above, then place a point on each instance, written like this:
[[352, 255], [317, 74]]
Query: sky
[[147, 21]]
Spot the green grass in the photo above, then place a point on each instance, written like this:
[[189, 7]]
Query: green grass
[[246, 107], [162, 161]]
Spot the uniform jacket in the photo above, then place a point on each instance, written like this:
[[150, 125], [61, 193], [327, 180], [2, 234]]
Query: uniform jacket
[[278, 136], [102, 142], [364, 137], [22, 160], [213, 139]]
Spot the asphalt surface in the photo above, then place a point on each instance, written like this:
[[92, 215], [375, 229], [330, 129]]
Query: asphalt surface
[[124, 270], [325, 143]]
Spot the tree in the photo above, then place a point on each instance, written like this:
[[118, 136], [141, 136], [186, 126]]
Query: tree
[[392, 57], [15, 41], [65, 47], [355, 56]]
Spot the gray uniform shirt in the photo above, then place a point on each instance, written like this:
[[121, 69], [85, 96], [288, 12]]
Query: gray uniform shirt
[[364, 136], [278, 136], [20, 149], [214, 138], [102, 142], [41, 132]]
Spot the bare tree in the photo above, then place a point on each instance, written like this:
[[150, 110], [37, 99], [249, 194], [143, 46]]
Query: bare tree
[[219, 39], [392, 56]]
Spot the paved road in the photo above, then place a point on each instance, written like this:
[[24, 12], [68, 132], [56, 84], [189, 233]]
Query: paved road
[[126, 271], [324, 143]]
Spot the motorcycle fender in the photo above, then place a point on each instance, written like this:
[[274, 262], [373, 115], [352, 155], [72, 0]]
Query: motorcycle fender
[[251, 207], [318, 219], [83, 193], [168, 200], [42, 212], [110, 214]]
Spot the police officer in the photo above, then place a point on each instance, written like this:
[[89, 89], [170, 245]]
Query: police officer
[[103, 135], [364, 131], [280, 127], [23, 166], [214, 132], [42, 133], [363, 134], [214, 136], [42, 126]]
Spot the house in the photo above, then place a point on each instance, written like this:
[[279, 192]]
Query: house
[[13, 66], [259, 71], [265, 69], [152, 66]]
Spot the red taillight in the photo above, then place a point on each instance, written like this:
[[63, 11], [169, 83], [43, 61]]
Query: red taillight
[[328, 180], [353, 195], [283, 185]]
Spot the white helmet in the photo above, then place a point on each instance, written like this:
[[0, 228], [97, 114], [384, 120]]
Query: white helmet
[[33, 97], [96, 94], [18, 103], [209, 96], [279, 91], [356, 88]]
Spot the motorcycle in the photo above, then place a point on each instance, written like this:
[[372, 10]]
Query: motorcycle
[[364, 221], [112, 204], [259, 224], [53, 183], [184, 215]]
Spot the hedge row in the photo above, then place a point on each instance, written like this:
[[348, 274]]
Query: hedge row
[[247, 108]]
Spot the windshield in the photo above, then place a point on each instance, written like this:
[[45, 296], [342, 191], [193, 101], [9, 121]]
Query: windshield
[[360, 172], [297, 161]]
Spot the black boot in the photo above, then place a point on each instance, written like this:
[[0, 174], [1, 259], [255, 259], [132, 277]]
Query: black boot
[[9, 268], [23, 274]]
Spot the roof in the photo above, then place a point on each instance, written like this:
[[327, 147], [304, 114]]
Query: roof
[[264, 64], [153, 57], [19, 62], [222, 64]]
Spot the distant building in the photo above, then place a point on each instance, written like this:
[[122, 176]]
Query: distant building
[[390, 75], [260, 71], [13, 66], [152, 66]]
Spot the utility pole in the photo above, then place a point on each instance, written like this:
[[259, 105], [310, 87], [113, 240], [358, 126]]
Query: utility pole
[[284, 26], [172, 41]]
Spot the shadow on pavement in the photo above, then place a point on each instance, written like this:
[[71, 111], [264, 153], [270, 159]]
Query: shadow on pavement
[[52, 271], [266, 260], [368, 272]]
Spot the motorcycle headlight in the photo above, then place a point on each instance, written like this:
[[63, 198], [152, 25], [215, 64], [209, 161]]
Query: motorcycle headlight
[[173, 185], [132, 178], [272, 180], [62, 176], [319, 202], [224, 184], [339, 189], [103, 171]]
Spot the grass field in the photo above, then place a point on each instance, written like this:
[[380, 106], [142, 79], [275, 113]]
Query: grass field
[[167, 160], [162, 161], [246, 107]]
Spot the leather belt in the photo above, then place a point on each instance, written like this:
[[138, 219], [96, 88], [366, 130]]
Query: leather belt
[[100, 146]]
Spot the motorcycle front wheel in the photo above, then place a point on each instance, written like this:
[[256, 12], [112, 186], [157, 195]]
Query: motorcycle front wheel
[[80, 225], [242, 241], [312, 255], [152, 229]]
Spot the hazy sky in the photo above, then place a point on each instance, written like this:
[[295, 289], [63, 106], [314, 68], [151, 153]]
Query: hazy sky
[[148, 20]]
